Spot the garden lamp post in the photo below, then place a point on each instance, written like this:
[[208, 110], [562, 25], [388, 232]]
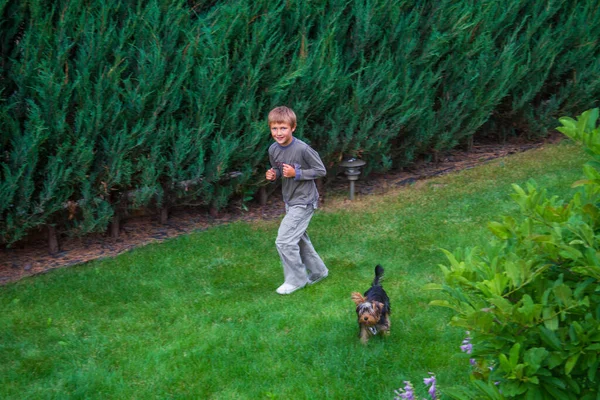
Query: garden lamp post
[[352, 171]]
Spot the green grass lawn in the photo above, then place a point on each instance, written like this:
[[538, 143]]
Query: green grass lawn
[[198, 317]]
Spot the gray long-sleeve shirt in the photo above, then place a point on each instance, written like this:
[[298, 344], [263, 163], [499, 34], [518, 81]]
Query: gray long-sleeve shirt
[[302, 189]]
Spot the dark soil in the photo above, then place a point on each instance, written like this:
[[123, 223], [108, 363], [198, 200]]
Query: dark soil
[[32, 257]]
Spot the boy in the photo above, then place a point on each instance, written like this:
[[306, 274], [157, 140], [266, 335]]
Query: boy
[[298, 165]]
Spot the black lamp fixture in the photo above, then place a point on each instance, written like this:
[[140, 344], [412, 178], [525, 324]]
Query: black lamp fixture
[[352, 170]]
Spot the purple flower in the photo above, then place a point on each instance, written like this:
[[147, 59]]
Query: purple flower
[[407, 393], [431, 381], [466, 346]]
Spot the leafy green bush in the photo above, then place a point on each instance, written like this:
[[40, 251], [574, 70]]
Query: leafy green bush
[[531, 299]]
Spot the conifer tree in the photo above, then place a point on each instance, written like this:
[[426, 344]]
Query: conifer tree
[[114, 106]]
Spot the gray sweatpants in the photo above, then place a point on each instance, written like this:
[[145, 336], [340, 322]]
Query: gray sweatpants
[[298, 256]]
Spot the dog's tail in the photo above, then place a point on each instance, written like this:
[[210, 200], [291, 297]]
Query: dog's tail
[[378, 275]]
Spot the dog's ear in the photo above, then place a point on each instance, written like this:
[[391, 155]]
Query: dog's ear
[[378, 305], [357, 298]]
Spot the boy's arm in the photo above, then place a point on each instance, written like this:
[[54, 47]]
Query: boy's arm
[[316, 168], [275, 167]]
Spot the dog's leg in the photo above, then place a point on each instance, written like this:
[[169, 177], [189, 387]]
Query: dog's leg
[[364, 334], [384, 326]]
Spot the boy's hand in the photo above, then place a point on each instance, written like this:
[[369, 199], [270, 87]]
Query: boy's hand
[[271, 175], [289, 171]]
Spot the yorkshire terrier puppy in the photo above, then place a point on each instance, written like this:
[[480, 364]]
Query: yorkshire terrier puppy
[[373, 309]]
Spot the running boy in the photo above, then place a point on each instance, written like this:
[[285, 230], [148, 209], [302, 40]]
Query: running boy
[[298, 165]]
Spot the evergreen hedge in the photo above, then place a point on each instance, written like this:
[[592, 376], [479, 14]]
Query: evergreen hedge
[[111, 105]]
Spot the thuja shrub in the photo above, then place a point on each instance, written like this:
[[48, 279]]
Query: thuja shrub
[[531, 298], [118, 106]]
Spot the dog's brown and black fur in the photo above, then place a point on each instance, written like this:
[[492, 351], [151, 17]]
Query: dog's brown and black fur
[[373, 309]]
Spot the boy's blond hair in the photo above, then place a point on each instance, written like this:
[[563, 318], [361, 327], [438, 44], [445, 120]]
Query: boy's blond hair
[[281, 115]]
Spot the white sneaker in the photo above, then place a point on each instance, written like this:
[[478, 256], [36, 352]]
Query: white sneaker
[[286, 288], [319, 279]]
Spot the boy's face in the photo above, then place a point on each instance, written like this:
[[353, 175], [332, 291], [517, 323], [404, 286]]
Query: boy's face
[[282, 132]]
